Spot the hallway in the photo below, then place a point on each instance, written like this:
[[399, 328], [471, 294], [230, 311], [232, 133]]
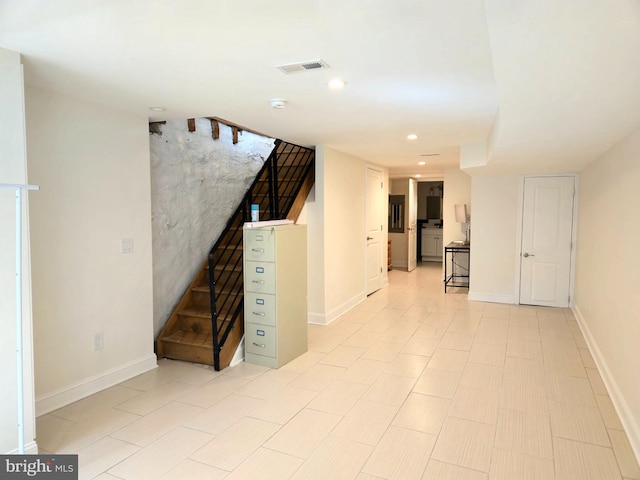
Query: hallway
[[410, 384]]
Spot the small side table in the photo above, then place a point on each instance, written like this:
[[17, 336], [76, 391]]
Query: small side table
[[453, 278]]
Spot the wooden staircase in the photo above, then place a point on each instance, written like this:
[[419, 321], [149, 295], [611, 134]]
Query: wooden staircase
[[207, 324]]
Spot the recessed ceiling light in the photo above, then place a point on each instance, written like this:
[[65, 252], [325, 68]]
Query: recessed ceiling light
[[157, 109], [412, 136], [337, 84], [417, 175], [278, 103], [422, 163]]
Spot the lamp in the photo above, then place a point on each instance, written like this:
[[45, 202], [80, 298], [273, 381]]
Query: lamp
[[463, 217]]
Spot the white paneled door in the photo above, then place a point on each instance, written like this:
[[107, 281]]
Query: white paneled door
[[373, 215], [545, 256], [412, 208]]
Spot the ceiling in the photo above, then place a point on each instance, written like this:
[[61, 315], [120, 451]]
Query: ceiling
[[541, 87]]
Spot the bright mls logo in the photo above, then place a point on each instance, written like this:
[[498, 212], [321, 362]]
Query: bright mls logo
[[51, 467]]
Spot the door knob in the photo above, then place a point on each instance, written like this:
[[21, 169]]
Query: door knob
[[525, 255], [369, 238]]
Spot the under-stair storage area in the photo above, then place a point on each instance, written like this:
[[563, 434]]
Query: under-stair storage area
[[275, 293], [207, 324]]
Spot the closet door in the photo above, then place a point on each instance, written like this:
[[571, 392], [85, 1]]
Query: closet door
[[545, 256]]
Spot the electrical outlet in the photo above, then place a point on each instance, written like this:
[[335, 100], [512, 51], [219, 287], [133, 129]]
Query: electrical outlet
[[98, 341]]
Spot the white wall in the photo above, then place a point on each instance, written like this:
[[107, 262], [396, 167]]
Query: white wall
[[457, 190], [607, 276], [494, 228], [196, 185], [344, 258], [13, 169], [92, 163], [313, 216], [336, 233]]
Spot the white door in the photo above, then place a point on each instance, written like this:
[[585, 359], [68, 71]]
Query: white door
[[373, 215], [545, 256], [413, 224]]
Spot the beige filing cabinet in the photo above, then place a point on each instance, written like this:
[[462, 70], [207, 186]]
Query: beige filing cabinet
[[275, 293]]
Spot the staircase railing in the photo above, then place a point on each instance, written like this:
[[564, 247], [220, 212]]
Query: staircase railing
[[274, 189]]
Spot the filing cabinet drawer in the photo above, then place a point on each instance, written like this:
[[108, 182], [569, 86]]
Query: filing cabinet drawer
[[260, 340], [260, 308], [259, 245], [260, 277]]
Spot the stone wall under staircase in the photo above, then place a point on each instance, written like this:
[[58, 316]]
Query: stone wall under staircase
[[196, 184]]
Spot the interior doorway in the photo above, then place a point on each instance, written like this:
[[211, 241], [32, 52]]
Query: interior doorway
[[412, 240]]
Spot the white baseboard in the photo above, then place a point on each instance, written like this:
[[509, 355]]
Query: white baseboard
[[490, 297], [30, 448], [627, 417], [315, 318], [52, 401], [326, 319]]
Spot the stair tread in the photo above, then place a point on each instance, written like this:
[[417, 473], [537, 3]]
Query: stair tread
[[231, 246], [221, 268], [205, 289], [287, 180], [226, 291], [190, 338], [196, 312], [205, 312]]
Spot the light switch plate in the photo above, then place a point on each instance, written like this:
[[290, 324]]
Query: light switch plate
[[126, 245]]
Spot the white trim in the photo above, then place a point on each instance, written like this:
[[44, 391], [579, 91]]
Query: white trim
[[19, 305], [21, 186], [490, 297], [316, 318], [624, 411], [574, 237], [30, 448], [518, 269], [65, 396], [326, 319]]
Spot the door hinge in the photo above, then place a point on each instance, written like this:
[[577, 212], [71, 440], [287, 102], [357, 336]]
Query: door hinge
[[381, 185], [380, 269]]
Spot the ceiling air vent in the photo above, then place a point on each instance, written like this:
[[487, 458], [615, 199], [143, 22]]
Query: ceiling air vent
[[303, 66]]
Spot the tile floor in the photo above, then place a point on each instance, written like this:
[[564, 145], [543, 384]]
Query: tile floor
[[410, 384]]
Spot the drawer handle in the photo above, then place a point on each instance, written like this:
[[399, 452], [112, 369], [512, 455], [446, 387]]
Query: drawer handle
[[258, 250], [261, 345], [260, 314], [261, 282]]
